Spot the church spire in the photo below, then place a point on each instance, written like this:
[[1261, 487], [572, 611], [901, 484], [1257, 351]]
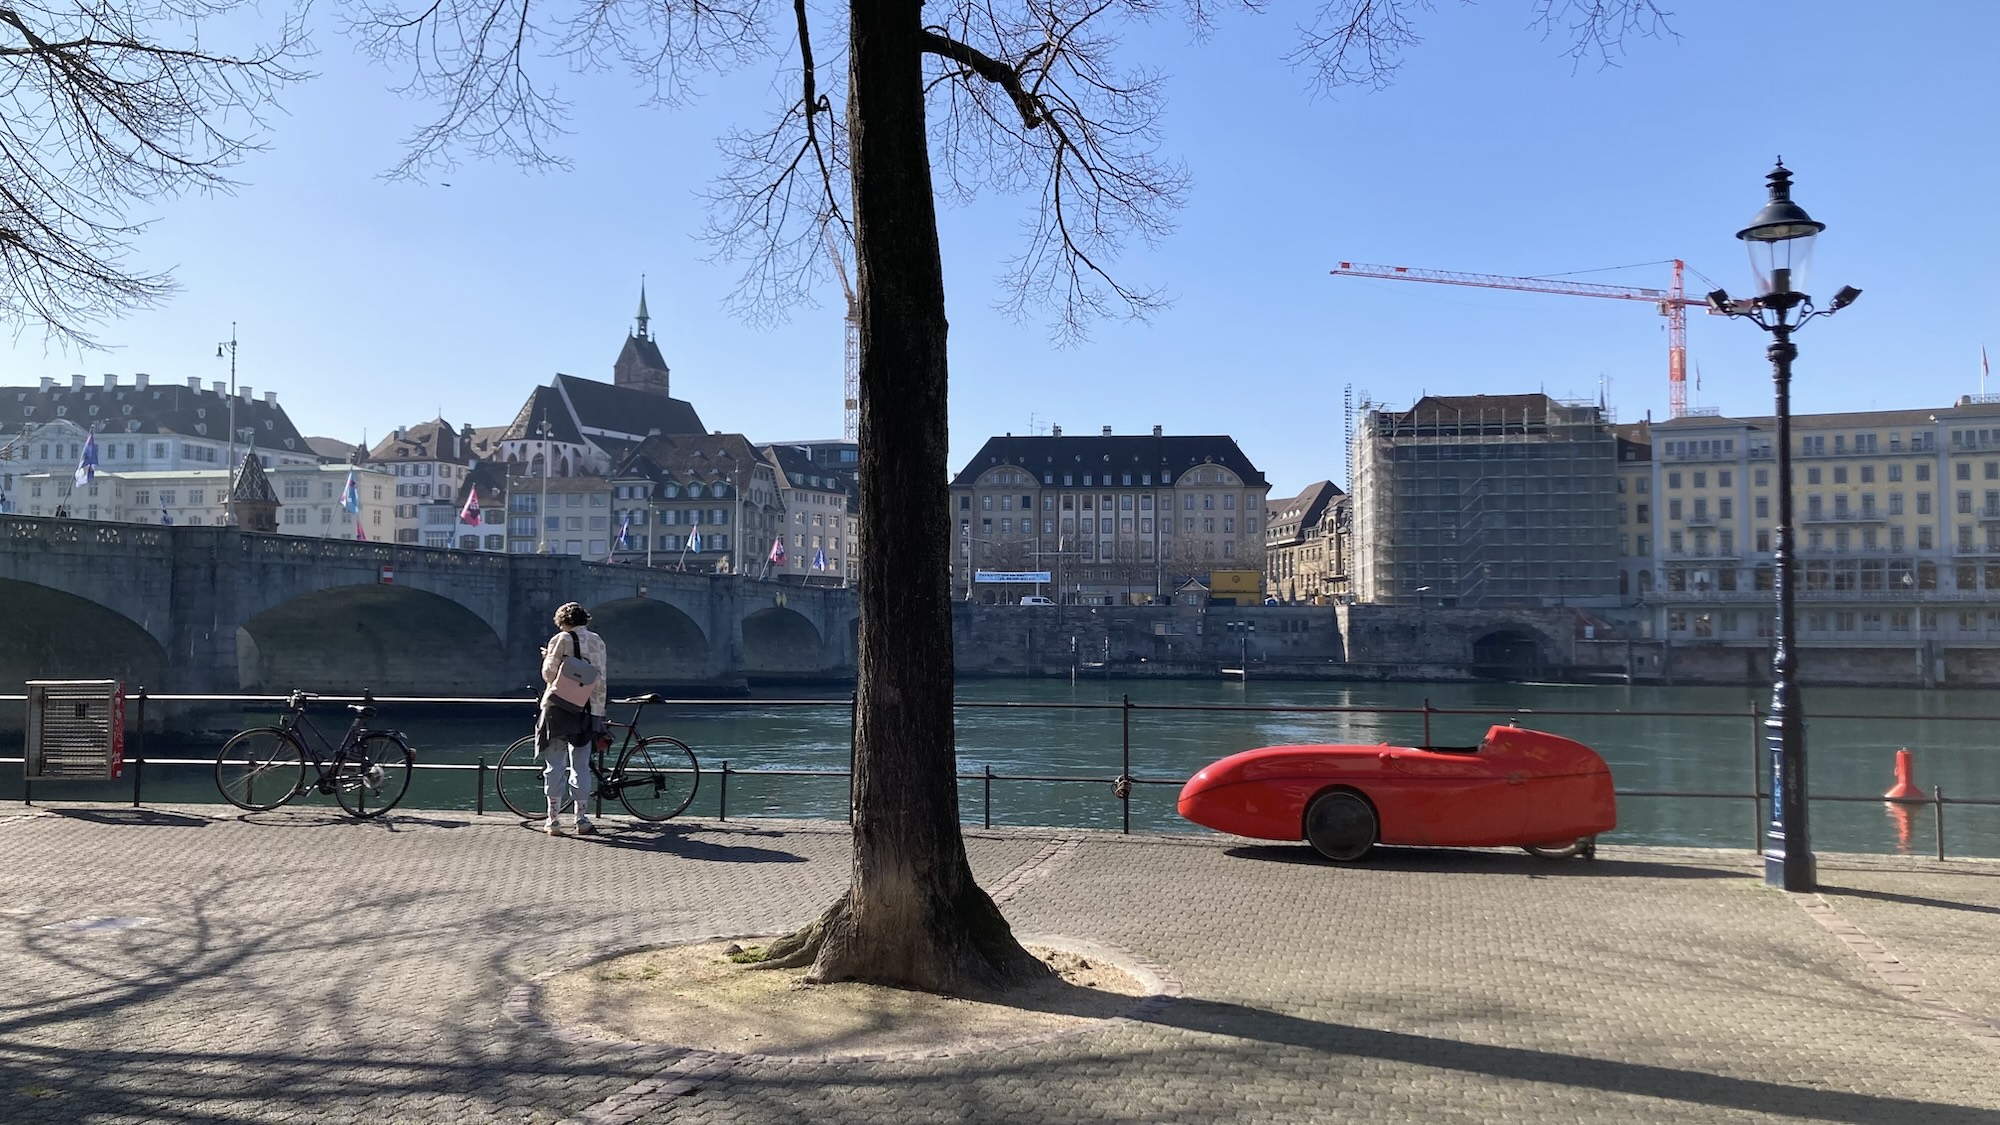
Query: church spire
[[643, 318]]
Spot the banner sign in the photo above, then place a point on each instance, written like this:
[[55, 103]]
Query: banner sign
[[1010, 576]]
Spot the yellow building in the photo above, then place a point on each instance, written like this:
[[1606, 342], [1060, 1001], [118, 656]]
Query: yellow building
[[1897, 518]]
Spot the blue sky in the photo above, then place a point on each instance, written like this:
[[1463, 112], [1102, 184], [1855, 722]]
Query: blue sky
[[366, 304]]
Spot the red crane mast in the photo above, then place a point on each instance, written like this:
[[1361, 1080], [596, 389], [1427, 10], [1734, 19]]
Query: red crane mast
[[1672, 302]]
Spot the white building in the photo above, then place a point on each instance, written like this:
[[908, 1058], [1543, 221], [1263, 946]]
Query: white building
[[308, 496]]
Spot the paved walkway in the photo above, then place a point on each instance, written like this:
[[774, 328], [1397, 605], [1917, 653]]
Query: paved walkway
[[296, 966]]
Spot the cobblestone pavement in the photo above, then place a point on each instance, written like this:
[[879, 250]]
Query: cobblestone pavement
[[186, 965]]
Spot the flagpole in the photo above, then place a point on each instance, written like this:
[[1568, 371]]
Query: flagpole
[[228, 497]]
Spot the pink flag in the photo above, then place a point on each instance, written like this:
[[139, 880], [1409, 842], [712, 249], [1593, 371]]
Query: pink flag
[[358, 533], [470, 513]]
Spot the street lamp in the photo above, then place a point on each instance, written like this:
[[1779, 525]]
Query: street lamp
[[1780, 240], [542, 514]]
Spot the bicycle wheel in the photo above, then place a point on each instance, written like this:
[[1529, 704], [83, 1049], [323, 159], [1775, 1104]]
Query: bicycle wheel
[[373, 774], [260, 768], [518, 780], [657, 778]]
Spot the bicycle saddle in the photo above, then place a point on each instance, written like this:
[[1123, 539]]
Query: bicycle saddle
[[649, 697], [361, 709]]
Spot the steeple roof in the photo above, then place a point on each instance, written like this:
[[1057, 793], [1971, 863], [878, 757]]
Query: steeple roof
[[251, 484]]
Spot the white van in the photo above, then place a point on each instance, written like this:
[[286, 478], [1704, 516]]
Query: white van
[[1036, 599]]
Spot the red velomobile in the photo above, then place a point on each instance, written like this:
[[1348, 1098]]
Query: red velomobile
[[1517, 788]]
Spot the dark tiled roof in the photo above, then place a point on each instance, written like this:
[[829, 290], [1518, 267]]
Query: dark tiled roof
[[251, 484], [161, 408], [490, 478], [797, 469], [693, 457], [1294, 514], [337, 451], [1170, 455], [543, 404], [435, 440], [624, 411], [1534, 409], [642, 351]]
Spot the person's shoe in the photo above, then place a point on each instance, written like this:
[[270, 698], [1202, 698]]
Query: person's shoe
[[551, 828], [585, 828]]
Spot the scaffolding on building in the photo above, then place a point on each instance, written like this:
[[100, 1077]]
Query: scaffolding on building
[[1485, 500]]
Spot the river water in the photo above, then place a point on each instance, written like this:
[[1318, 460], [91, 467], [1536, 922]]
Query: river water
[[1681, 738]]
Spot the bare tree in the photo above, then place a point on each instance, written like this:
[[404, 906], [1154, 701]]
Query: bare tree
[[1015, 95], [104, 104]]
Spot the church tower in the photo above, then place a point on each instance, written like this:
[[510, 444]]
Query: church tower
[[640, 365]]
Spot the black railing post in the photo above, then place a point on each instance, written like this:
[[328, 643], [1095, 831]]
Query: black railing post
[[722, 800], [1757, 774], [1125, 762], [1427, 722], [479, 789], [1937, 795], [989, 795], [139, 746], [853, 727]]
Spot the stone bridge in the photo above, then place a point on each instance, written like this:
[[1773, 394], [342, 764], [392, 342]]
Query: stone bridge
[[214, 610]]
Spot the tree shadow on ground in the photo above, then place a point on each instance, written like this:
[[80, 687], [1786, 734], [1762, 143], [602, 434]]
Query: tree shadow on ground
[[679, 840], [150, 818], [1473, 861]]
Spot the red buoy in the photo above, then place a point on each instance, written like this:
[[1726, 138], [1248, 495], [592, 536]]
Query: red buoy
[[1905, 789]]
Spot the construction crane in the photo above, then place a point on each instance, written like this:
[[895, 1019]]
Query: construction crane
[[1672, 302], [850, 417]]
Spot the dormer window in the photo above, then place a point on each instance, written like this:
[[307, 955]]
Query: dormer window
[[128, 408], [201, 412]]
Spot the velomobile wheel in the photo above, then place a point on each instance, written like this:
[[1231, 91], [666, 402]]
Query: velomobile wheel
[[1341, 825], [1575, 847]]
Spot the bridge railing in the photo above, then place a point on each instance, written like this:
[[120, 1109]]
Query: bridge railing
[[474, 788]]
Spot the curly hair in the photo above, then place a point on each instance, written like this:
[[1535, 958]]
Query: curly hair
[[572, 614]]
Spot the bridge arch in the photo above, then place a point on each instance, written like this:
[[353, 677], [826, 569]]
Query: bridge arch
[[48, 634], [1510, 652], [650, 644], [375, 636], [780, 643]]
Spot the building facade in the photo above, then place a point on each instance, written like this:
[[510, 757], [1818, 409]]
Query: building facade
[[308, 498], [1305, 546], [706, 502], [1486, 501], [1111, 518], [1897, 529], [820, 518]]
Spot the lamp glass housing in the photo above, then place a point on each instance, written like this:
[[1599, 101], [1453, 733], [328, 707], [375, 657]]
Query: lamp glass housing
[[1780, 261]]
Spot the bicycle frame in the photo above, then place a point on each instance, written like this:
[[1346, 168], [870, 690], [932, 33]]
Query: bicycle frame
[[295, 718]]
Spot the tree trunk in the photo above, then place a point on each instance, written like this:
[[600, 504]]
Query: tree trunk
[[913, 917]]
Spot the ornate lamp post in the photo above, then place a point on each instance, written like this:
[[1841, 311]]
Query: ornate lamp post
[[1780, 240]]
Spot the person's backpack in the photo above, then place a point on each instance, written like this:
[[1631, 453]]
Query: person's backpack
[[575, 681]]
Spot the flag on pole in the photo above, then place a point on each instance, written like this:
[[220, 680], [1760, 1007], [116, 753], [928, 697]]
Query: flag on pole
[[1984, 369], [819, 558], [778, 550], [359, 534], [470, 513], [625, 532], [86, 469], [694, 540], [165, 519], [350, 498], [3, 503]]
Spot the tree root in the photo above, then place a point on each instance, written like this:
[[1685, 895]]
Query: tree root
[[800, 949]]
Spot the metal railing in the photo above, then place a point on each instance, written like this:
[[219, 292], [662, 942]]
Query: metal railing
[[1755, 796]]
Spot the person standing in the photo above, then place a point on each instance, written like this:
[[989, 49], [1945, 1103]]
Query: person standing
[[565, 736]]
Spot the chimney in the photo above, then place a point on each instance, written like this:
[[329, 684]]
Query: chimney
[[1156, 431], [76, 382], [1107, 431], [110, 381], [399, 433], [141, 379], [48, 382], [221, 388], [270, 398], [246, 392], [1055, 431], [194, 382]]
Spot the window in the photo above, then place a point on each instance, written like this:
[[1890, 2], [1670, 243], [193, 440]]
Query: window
[[985, 503], [1867, 474], [1812, 475], [1895, 473], [1840, 474], [1924, 471], [1645, 513], [1674, 509], [1963, 470], [1701, 479], [1722, 479], [1673, 480], [1923, 503], [1964, 502], [1725, 508]]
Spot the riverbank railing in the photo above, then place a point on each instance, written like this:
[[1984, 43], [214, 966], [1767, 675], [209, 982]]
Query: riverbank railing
[[1754, 796]]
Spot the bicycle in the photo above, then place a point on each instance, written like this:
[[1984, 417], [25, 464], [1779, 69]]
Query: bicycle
[[655, 777], [263, 767]]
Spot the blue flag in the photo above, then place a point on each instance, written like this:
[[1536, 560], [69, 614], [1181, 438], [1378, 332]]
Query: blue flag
[[350, 497], [165, 519], [694, 541], [819, 559], [86, 469], [624, 533]]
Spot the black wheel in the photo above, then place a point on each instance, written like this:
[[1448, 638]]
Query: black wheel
[[518, 780], [1585, 846], [260, 769], [1341, 825], [373, 775], [657, 778]]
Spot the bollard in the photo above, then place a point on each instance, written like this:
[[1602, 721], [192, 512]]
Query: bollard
[[1905, 788], [139, 748], [479, 789], [722, 799]]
